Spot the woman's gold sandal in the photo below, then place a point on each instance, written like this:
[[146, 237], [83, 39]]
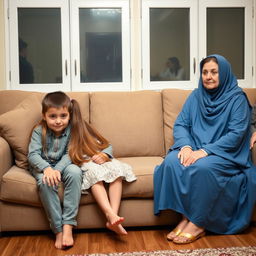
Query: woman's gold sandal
[[190, 237], [176, 232]]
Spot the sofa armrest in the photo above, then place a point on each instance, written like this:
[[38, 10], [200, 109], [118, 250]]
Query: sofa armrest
[[6, 157]]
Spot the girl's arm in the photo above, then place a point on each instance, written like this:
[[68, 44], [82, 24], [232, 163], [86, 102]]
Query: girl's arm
[[108, 151], [104, 156]]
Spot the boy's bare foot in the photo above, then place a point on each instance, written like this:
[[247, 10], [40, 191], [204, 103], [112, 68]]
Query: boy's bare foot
[[119, 229], [58, 241], [114, 219], [67, 238], [179, 228]]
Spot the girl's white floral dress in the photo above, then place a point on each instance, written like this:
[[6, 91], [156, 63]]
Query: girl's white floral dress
[[107, 172]]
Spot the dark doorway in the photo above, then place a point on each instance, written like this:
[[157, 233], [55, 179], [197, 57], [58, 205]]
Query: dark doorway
[[103, 57]]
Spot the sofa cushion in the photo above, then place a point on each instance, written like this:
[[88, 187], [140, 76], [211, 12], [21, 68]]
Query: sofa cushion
[[16, 126], [173, 100], [143, 168], [131, 121], [83, 99], [251, 94], [11, 98], [19, 186]]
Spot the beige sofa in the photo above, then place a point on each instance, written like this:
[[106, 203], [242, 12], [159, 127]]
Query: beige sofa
[[139, 126]]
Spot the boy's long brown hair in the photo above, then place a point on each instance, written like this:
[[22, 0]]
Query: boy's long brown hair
[[84, 140]]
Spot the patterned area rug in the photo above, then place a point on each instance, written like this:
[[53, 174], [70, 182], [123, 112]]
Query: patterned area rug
[[231, 251]]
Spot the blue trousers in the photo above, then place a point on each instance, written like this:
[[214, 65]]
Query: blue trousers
[[57, 214]]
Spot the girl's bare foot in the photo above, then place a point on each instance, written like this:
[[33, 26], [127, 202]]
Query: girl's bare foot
[[179, 228], [58, 241], [114, 219], [67, 238], [119, 229]]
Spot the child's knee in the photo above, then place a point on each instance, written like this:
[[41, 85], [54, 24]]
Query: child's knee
[[73, 171]]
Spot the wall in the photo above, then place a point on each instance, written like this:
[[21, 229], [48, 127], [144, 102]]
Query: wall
[[2, 48]]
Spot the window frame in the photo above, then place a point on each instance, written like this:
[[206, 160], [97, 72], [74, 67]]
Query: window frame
[[70, 45], [75, 46], [137, 68], [186, 84], [198, 46], [248, 33], [14, 52]]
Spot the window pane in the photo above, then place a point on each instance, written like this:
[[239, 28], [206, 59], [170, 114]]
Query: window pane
[[225, 36], [100, 45], [169, 44], [39, 45]]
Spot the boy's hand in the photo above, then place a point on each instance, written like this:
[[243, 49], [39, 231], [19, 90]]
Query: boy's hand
[[51, 177]]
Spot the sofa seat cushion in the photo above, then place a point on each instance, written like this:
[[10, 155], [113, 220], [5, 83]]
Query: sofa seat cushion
[[143, 168], [19, 186]]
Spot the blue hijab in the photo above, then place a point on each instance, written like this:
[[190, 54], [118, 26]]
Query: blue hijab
[[214, 101], [216, 120]]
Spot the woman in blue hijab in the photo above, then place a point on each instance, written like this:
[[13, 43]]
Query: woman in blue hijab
[[207, 174]]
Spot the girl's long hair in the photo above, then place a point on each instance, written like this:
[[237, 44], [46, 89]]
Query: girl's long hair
[[84, 140]]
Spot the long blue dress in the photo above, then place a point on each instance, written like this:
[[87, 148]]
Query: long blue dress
[[218, 191]]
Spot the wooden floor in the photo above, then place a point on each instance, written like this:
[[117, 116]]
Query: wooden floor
[[103, 241]]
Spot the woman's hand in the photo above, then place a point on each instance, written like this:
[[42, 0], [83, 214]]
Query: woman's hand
[[51, 177], [184, 154], [253, 140], [193, 157], [100, 158]]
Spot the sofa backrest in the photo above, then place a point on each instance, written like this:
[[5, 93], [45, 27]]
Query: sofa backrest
[[131, 121], [136, 123], [16, 123], [251, 94], [173, 100], [9, 99]]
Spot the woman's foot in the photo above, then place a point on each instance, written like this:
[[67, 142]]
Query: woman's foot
[[58, 241], [67, 238], [189, 234], [114, 219], [179, 228], [118, 229]]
